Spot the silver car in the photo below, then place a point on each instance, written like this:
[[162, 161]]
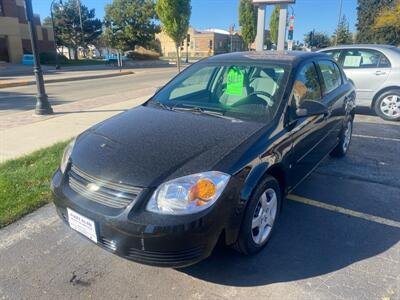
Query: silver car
[[375, 72]]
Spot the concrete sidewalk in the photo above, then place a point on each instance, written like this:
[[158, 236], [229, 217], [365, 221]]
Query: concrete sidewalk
[[67, 122], [6, 82]]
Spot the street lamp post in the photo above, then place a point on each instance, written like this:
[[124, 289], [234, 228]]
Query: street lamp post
[[54, 32], [43, 106]]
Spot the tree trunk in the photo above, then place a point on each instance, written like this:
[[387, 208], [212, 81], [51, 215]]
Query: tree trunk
[[76, 54], [69, 53], [178, 59]]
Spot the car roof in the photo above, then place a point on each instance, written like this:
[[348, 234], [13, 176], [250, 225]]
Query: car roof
[[367, 46], [286, 57]]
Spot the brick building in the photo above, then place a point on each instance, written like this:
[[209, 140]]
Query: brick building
[[203, 43], [14, 32]]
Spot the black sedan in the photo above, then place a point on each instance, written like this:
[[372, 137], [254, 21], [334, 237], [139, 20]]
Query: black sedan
[[209, 157]]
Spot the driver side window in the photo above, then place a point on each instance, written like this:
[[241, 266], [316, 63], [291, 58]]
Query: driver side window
[[306, 85]]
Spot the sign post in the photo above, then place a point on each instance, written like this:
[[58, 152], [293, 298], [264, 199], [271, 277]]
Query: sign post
[[290, 33], [261, 22]]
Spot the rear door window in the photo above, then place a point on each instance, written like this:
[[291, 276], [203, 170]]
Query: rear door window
[[335, 54], [364, 59]]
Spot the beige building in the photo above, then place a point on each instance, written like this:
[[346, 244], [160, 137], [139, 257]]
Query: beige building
[[203, 43], [14, 32]]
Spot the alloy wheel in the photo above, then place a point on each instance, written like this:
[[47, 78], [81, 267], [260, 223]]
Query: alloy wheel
[[347, 136], [390, 106], [264, 216]]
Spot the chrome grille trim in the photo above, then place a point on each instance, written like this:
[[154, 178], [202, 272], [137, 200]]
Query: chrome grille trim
[[111, 185], [114, 195]]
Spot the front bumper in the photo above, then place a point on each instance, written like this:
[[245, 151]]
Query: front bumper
[[145, 237]]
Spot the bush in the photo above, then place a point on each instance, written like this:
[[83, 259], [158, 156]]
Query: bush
[[49, 58], [142, 56]]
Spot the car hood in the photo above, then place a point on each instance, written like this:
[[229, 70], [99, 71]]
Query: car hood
[[146, 146]]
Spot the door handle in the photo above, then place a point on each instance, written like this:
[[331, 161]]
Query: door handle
[[379, 73]]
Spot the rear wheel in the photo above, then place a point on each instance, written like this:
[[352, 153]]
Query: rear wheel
[[344, 140], [388, 105], [260, 217]]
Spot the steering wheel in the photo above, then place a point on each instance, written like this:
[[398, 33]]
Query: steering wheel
[[245, 102]]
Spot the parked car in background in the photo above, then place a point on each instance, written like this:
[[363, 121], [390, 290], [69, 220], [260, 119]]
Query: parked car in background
[[209, 157], [375, 71]]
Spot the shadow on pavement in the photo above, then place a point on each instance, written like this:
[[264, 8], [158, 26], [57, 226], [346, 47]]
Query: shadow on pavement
[[22, 101], [308, 242], [363, 110]]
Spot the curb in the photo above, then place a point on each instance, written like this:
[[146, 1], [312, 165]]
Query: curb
[[31, 82]]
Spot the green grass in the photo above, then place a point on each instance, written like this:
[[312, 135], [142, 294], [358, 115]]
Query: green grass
[[25, 182]]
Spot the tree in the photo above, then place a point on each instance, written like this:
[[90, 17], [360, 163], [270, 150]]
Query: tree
[[367, 10], [317, 40], [342, 35], [388, 20], [67, 25], [274, 24], [130, 23], [175, 16], [248, 21]]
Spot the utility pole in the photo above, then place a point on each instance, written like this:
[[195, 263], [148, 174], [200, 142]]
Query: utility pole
[[80, 20], [43, 106], [339, 20], [54, 32]]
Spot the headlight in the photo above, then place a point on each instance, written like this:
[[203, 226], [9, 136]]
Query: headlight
[[66, 156], [189, 194]]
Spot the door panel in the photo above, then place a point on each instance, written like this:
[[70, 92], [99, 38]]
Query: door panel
[[308, 133], [368, 69], [334, 98]]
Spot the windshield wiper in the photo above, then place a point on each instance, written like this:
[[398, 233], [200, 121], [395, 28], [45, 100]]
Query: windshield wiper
[[200, 110], [162, 105]]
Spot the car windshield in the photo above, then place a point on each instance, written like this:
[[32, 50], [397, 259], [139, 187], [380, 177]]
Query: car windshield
[[240, 91]]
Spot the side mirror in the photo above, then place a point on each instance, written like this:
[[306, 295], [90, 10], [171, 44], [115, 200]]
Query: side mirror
[[311, 108]]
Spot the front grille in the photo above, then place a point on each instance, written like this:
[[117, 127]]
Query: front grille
[[107, 193], [109, 244], [165, 257]]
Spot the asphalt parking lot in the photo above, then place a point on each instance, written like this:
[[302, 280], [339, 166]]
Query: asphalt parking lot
[[338, 237]]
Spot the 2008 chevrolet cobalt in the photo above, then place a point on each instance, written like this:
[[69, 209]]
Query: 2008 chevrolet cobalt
[[209, 157]]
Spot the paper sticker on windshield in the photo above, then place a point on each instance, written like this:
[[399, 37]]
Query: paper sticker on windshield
[[235, 82]]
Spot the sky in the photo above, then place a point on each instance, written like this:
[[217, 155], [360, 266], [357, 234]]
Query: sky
[[321, 15]]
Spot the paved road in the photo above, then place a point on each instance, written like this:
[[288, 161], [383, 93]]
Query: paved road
[[344, 245], [23, 98]]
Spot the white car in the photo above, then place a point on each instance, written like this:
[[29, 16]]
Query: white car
[[375, 72]]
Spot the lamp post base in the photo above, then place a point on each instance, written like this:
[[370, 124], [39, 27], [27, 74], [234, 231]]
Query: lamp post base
[[43, 106]]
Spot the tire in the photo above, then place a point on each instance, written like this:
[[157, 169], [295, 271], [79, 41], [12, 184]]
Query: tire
[[388, 105], [264, 206], [344, 140]]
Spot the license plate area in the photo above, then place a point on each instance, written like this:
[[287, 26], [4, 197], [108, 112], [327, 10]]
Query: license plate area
[[82, 225]]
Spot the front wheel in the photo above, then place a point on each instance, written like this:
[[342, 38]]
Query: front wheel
[[388, 105], [260, 217], [344, 140]]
